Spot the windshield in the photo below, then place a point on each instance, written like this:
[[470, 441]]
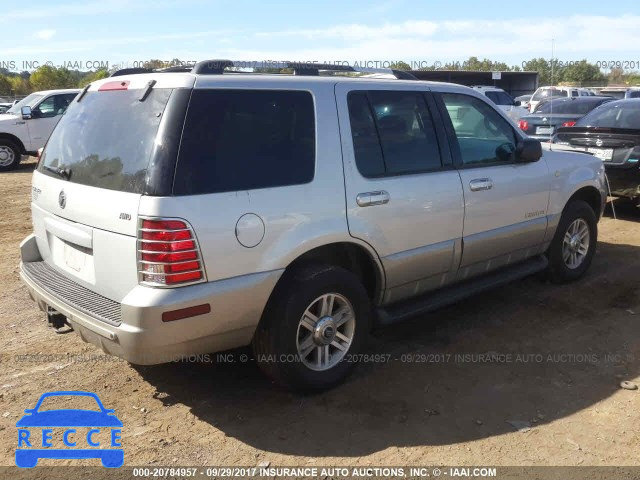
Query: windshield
[[106, 139], [28, 101], [570, 106], [621, 114], [546, 93]]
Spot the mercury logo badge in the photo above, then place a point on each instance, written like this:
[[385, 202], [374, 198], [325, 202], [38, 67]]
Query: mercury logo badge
[[62, 199], [599, 142]]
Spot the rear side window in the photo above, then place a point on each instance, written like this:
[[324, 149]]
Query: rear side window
[[246, 139], [393, 133]]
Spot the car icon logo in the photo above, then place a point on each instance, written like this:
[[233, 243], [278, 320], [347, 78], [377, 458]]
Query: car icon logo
[[62, 199], [76, 445], [599, 142]]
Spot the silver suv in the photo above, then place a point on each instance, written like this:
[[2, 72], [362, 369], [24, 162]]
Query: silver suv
[[180, 213]]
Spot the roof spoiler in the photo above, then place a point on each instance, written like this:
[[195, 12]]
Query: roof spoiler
[[313, 69]]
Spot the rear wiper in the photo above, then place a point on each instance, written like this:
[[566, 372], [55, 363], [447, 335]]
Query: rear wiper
[[61, 172]]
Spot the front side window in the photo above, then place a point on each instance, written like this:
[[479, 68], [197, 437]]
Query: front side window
[[246, 139], [393, 133], [484, 137], [46, 108], [61, 102]]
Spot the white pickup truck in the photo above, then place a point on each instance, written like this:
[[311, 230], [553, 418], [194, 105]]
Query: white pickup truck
[[26, 126]]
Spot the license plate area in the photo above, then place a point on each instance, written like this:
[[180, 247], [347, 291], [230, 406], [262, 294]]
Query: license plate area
[[72, 258], [544, 130], [604, 154]]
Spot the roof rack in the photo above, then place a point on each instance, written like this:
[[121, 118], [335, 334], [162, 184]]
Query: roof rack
[[218, 67]]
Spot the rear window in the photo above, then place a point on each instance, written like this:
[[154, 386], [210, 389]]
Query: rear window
[[500, 98], [569, 106], [106, 139], [547, 93], [246, 139], [618, 114]]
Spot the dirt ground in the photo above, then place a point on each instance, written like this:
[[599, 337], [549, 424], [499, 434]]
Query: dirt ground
[[548, 358]]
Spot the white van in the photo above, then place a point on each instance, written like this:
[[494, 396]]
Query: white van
[[543, 94]]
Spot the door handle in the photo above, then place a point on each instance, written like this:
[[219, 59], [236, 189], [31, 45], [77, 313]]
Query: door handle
[[368, 199], [480, 184]]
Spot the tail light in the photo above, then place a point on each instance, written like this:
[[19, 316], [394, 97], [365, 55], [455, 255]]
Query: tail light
[[168, 253], [570, 123], [524, 125]]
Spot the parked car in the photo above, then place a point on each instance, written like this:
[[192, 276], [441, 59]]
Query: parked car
[[632, 93], [614, 92], [178, 214], [612, 134], [504, 101], [546, 93], [523, 101], [26, 126], [559, 112], [5, 106]]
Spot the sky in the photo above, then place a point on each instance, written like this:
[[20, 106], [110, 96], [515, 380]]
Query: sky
[[93, 33]]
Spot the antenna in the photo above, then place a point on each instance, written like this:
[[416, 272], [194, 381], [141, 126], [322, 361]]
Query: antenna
[[551, 99]]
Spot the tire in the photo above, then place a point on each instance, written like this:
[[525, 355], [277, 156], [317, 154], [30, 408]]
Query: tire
[[9, 155], [291, 347], [575, 217]]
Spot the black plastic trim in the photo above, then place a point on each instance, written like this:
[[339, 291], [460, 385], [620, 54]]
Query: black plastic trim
[[430, 302], [164, 157]]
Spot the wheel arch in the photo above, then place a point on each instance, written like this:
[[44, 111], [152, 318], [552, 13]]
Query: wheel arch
[[591, 195], [352, 256], [14, 139]]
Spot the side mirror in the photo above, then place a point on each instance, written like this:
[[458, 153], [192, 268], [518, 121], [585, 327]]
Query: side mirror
[[528, 150], [517, 103], [505, 152], [26, 113]]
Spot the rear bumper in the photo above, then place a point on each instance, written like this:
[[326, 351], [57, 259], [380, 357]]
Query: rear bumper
[[141, 337]]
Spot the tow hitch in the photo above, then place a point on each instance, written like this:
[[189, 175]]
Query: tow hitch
[[58, 321]]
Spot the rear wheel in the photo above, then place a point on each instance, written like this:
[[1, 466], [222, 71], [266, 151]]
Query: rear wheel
[[574, 243], [315, 324], [9, 155]]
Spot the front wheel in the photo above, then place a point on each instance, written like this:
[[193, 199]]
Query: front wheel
[[313, 328], [9, 155], [574, 243]]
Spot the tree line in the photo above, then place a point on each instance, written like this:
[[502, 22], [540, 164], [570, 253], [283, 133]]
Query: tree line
[[551, 72]]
